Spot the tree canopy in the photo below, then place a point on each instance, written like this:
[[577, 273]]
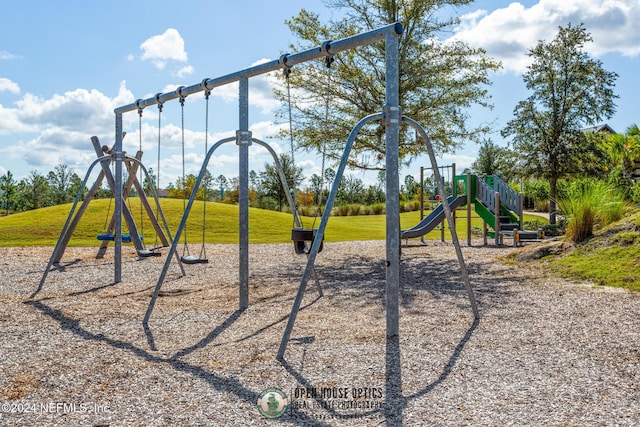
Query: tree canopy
[[570, 91], [439, 81], [495, 160]]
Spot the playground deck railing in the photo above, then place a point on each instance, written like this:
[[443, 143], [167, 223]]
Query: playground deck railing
[[508, 196], [486, 194]]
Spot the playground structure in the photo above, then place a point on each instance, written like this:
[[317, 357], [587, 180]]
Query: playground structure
[[391, 117], [498, 205], [106, 157], [447, 172]]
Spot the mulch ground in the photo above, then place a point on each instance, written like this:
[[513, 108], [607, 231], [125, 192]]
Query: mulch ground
[[546, 351]]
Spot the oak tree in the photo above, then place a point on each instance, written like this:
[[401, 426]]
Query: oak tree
[[569, 91], [439, 81]]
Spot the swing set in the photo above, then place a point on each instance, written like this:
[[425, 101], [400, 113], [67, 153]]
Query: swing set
[[306, 241]]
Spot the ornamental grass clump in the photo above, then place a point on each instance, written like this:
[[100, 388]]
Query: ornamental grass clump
[[590, 203]]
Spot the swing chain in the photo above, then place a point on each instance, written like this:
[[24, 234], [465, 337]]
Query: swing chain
[[328, 60], [287, 72], [207, 94]]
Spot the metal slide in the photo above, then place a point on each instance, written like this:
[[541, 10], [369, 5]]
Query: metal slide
[[432, 220]]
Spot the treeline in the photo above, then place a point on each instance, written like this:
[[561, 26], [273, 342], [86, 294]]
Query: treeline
[[62, 184], [37, 191], [611, 158], [266, 190]]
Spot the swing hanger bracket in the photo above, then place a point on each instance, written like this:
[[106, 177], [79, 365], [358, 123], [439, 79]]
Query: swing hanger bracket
[[138, 102], [181, 95], [158, 101], [207, 89], [326, 50], [243, 137], [286, 68], [391, 115]]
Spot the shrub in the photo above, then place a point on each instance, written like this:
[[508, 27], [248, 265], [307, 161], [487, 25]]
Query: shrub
[[377, 208], [635, 192], [410, 206], [533, 225], [355, 209], [309, 211], [590, 203], [556, 229], [341, 210], [541, 205]]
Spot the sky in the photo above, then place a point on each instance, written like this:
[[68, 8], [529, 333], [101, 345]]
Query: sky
[[65, 66]]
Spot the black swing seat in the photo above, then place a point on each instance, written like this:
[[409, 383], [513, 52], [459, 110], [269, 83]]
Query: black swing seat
[[192, 259], [145, 253], [301, 236]]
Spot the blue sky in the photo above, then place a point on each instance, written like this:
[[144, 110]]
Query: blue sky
[[64, 67]]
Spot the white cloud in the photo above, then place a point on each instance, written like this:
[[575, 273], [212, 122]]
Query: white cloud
[[9, 86], [184, 71], [10, 122], [124, 97], [91, 110], [54, 130], [7, 56], [55, 146], [266, 130], [508, 33], [260, 90], [165, 47]]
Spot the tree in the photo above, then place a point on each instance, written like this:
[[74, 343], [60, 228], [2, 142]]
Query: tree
[[351, 190], [7, 190], [495, 160], [271, 185], [148, 185], [439, 81], [64, 184], [329, 177], [34, 192], [623, 150], [570, 91], [411, 187], [184, 187], [316, 188]]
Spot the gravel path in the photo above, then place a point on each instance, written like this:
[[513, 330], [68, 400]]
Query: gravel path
[[545, 352]]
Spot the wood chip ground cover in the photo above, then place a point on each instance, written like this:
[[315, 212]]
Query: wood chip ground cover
[[546, 351]]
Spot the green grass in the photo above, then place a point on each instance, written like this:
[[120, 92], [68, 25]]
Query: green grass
[[609, 258], [595, 265], [42, 227]]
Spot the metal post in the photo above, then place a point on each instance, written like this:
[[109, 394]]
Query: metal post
[[453, 189], [447, 212], [469, 200], [243, 141], [421, 193], [497, 219], [521, 207], [421, 200], [392, 117], [117, 195]]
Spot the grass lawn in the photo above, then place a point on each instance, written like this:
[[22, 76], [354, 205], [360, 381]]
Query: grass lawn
[[608, 258], [42, 227]]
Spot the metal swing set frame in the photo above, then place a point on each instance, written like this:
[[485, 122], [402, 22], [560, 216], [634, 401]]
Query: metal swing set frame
[[391, 117]]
